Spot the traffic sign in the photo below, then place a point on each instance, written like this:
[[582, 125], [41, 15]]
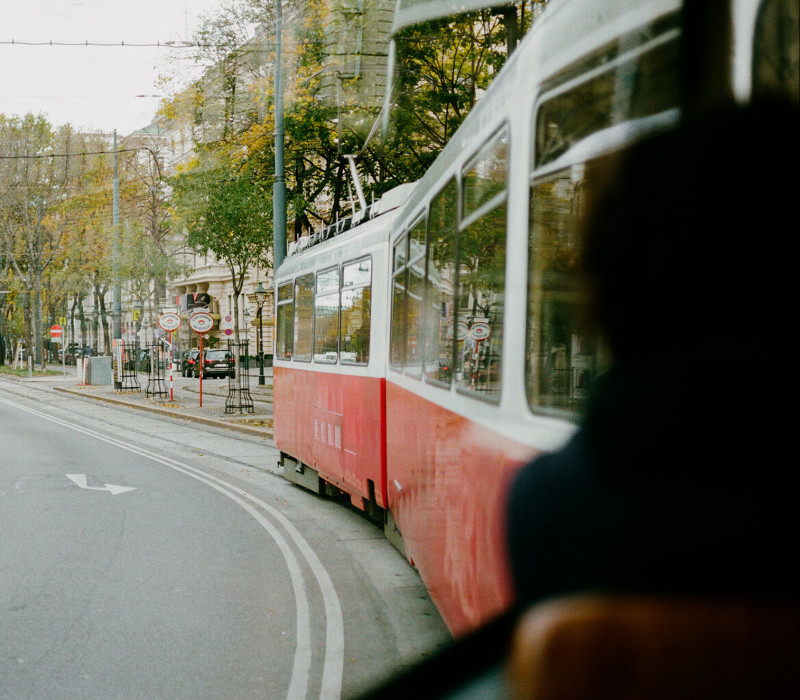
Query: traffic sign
[[169, 322], [460, 329], [201, 322], [480, 330], [56, 331]]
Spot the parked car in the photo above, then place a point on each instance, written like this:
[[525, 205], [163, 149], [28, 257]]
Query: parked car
[[188, 361], [216, 363]]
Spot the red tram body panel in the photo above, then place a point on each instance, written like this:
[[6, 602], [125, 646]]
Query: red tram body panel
[[334, 423], [447, 478]]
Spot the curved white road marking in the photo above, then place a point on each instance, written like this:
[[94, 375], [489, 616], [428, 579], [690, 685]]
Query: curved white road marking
[[333, 664]]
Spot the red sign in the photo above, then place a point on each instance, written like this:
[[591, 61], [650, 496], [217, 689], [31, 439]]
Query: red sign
[[56, 331]]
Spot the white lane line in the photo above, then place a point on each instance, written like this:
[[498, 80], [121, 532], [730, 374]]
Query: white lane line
[[333, 664]]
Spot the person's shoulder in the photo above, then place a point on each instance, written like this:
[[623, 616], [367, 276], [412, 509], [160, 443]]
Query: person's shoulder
[[559, 469]]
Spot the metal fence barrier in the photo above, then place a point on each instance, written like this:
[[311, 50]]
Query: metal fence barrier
[[239, 398]]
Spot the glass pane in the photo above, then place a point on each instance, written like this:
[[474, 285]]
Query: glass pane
[[398, 339], [413, 360], [481, 295], [400, 254], [416, 241], [776, 50], [357, 274], [284, 331], [303, 317], [632, 89], [285, 292], [326, 326], [328, 281], [561, 356], [356, 309], [487, 176], [439, 309]]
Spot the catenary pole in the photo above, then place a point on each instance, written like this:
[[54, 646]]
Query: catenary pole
[[117, 292], [115, 250], [279, 187]]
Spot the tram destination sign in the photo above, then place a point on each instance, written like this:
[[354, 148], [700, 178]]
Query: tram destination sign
[[201, 322], [169, 322]]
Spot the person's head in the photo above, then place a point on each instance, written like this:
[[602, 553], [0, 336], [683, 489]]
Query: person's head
[[691, 240]]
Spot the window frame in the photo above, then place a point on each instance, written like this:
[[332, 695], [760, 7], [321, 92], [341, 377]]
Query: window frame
[[284, 303], [296, 325], [452, 181], [318, 295], [362, 286], [465, 222]]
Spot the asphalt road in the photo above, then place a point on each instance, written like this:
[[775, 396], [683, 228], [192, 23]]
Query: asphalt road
[[142, 557]]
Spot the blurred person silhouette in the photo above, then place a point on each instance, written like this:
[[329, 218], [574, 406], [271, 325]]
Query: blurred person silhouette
[[681, 479]]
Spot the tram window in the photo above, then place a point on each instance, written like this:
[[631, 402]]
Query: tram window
[[326, 317], [414, 293], [561, 355], [486, 177], [631, 88], [356, 312], [284, 322], [439, 323], [397, 344], [481, 284], [775, 51], [303, 317]]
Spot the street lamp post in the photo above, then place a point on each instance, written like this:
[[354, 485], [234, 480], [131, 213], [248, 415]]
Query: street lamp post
[[261, 296]]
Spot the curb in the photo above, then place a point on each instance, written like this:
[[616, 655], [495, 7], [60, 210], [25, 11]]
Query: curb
[[265, 433]]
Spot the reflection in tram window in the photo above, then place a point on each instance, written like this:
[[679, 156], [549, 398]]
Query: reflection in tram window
[[626, 89], [356, 310], [303, 317], [486, 178], [414, 279], [481, 271], [284, 330], [561, 359], [482, 257], [439, 321], [398, 335], [776, 69], [326, 317]]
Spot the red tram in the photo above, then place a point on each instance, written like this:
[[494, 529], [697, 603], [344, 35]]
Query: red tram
[[424, 354]]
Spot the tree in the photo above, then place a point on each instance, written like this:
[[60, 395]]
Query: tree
[[227, 213], [37, 172]]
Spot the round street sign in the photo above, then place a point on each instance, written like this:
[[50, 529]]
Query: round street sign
[[56, 331], [201, 322], [480, 330], [459, 328], [169, 322]]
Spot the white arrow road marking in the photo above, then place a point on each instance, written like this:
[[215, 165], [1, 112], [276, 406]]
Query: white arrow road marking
[[80, 480]]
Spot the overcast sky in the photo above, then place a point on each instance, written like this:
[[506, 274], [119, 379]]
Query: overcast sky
[[91, 87]]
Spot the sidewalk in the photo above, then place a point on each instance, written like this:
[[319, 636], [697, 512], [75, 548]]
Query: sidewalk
[[184, 401]]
